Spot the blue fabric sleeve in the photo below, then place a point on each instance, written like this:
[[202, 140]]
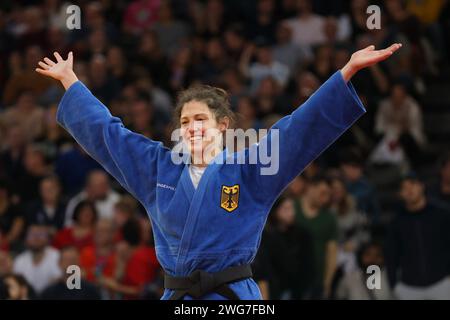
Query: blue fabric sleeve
[[304, 135], [129, 157]]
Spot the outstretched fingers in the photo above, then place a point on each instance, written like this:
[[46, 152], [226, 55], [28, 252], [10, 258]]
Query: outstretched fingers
[[43, 65], [58, 57], [49, 62], [42, 71]]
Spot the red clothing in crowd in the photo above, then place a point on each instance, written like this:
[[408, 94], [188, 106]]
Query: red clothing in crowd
[[66, 237], [95, 265], [141, 268]]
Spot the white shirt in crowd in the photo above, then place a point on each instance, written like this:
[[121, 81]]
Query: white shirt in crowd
[[41, 275], [105, 207]]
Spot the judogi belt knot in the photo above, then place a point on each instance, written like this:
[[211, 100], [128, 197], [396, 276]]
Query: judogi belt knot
[[200, 283]]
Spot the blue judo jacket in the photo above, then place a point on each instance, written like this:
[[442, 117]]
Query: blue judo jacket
[[197, 228]]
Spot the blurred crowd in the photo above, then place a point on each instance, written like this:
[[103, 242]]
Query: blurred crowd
[[380, 195]]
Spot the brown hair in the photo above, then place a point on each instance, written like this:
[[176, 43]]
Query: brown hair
[[215, 98]]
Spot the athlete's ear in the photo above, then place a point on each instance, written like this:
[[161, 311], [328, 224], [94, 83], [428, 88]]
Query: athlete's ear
[[224, 124]]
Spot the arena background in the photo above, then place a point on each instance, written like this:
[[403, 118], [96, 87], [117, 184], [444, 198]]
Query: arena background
[[59, 208]]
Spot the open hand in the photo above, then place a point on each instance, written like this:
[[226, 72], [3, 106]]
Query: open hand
[[367, 57], [61, 70]]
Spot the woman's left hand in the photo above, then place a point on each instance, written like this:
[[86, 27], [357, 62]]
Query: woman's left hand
[[365, 58]]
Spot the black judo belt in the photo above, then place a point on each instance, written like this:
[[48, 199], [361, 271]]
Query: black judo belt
[[200, 283]]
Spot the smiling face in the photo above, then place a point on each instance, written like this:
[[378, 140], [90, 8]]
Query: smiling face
[[200, 130]]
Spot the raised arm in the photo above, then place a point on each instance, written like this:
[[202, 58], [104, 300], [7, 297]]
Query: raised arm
[[299, 138], [129, 157]]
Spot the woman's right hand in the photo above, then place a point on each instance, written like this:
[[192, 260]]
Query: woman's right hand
[[61, 70]]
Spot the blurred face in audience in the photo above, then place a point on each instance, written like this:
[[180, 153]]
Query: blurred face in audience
[[372, 255], [304, 6], [338, 191], [412, 192], [352, 172], [86, 217], [26, 101], [445, 172], [104, 232], [15, 137], [15, 290], [98, 185], [34, 159], [5, 263], [285, 213], [319, 194], [266, 6], [50, 190], [284, 33], [264, 55], [37, 238], [121, 215], [298, 186], [398, 95], [69, 257]]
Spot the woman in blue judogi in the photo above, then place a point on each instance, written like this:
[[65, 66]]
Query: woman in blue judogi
[[208, 214]]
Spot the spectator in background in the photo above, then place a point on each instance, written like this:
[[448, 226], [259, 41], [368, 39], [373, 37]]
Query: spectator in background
[[215, 64], [140, 15], [26, 114], [39, 263], [6, 263], [418, 246], [98, 190], [150, 56], [98, 260], [297, 187], [170, 31], [313, 216], [73, 167], [27, 80], [307, 27], [234, 41], [440, 191], [261, 25], [399, 122], [247, 115], [11, 157], [360, 187], [288, 53], [234, 83], [210, 20], [307, 83], [52, 137], [11, 220], [81, 233], [50, 209], [17, 287], [353, 286], [351, 226], [103, 84], [37, 167], [182, 69], [158, 98], [265, 66], [136, 264], [322, 66], [60, 290], [290, 271], [117, 65]]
